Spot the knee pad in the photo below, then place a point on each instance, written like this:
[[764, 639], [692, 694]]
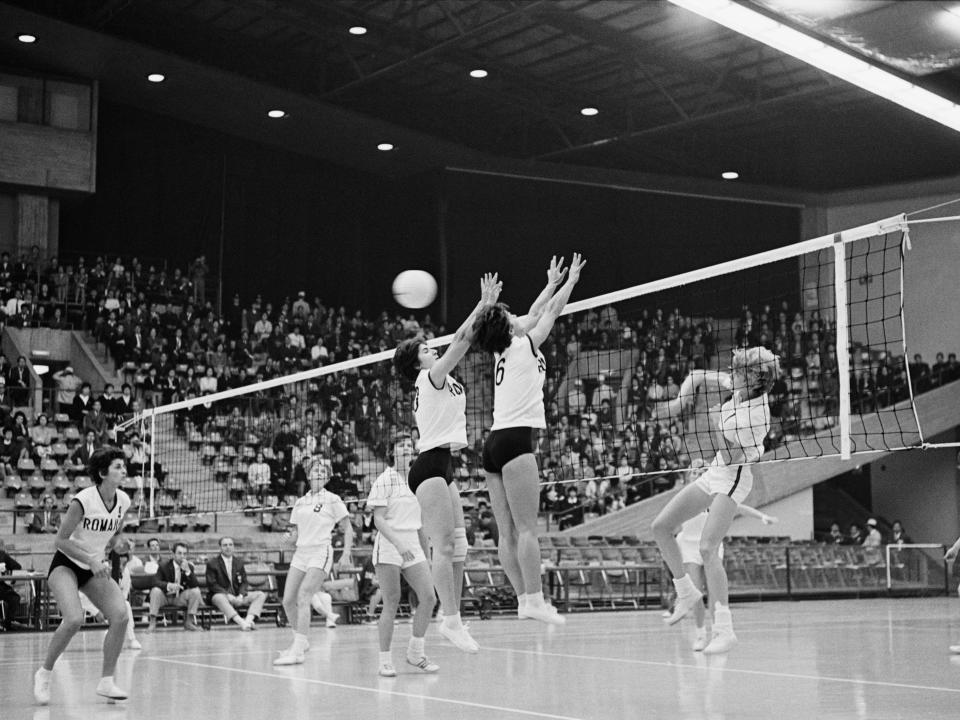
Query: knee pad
[[460, 546]]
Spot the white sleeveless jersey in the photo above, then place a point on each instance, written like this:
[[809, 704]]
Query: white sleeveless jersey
[[315, 515], [744, 423], [98, 524], [518, 375], [391, 491], [440, 413]]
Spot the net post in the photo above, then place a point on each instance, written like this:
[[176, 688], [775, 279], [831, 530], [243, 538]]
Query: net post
[[904, 246], [842, 341], [153, 453], [889, 576]]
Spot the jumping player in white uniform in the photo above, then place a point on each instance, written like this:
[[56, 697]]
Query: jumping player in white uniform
[[742, 423], [313, 518], [95, 515], [440, 406], [689, 541], [508, 460], [400, 548], [949, 557]]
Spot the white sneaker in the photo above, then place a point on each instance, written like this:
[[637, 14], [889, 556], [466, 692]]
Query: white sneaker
[[700, 643], [723, 641], [108, 689], [133, 644], [423, 663], [685, 603], [332, 620], [41, 686], [289, 657], [545, 613], [387, 670], [955, 649], [460, 637]]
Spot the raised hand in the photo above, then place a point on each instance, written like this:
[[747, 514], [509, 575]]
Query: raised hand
[[576, 265], [556, 271], [490, 287]]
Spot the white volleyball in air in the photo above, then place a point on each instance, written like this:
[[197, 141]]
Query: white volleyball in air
[[414, 288]]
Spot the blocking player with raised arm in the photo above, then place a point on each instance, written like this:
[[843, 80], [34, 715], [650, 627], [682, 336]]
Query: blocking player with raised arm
[[741, 423], [95, 515], [518, 410], [440, 410]]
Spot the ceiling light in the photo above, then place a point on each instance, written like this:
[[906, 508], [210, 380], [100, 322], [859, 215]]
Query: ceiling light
[[589, 111], [730, 175], [27, 38], [156, 77], [385, 147], [358, 30], [276, 114], [827, 58], [478, 73]]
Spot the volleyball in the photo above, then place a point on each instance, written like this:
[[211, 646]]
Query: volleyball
[[414, 288]]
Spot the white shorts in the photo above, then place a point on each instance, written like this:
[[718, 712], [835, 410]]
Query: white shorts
[[386, 553], [735, 481], [690, 550], [313, 556]]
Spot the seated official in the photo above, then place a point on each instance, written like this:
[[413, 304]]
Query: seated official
[[227, 588], [176, 584]]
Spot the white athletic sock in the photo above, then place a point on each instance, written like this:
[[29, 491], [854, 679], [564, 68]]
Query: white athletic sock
[[385, 657], [722, 617], [535, 599], [44, 672], [324, 601], [416, 647], [299, 641], [522, 600], [452, 621], [684, 585]]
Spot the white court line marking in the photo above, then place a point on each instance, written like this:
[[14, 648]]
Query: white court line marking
[[766, 673], [375, 691]]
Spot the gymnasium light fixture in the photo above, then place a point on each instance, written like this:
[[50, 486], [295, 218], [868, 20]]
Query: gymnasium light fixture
[[827, 58]]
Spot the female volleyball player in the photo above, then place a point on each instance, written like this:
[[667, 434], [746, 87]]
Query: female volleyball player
[[95, 515], [439, 407], [400, 549], [508, 460], [951, 556], [742, 423], [688, 539], [313, 518]]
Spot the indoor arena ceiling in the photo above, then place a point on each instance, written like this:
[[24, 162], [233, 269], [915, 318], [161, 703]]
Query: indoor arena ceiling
[[676, 94]]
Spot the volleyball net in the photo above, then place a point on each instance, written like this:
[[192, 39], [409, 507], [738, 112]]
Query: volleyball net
[[830, 308]]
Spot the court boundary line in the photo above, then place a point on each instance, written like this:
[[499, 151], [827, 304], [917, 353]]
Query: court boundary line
[[361, 688], [742, 671]]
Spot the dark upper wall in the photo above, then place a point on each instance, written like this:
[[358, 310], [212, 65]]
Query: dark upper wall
[[514, 226], [297, 223], [292, 222]]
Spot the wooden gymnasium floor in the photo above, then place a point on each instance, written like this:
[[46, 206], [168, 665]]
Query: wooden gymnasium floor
[[828, 659]]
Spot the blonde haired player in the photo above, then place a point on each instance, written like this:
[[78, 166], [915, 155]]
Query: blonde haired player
[[741, 423], [440, 409], [313, 518], [689, 541], [95, 515], [400, 548]]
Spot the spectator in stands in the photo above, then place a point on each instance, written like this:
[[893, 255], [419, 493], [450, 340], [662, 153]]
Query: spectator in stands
[[42, 434], [152, 562], [855, 535], [227, 588], [67, 385], [6, 401], [96, 422], [19, 383], [9, 598], [176, 584], [576, 398], [258, 475], [919, 374], [198, 277], [82, 403], [47, 518], [81, 456], [898, 537], [836, 536], [873, 538]]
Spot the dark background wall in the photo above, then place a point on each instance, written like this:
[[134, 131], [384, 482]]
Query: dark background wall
[[293, 222]]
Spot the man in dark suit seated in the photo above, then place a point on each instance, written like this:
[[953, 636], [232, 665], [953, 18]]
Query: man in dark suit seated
[[227, 588], [47, 518], [81, 456], [176, 584], [9, 598]]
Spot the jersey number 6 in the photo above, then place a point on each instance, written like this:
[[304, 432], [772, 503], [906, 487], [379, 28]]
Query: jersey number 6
[[498, 376]]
